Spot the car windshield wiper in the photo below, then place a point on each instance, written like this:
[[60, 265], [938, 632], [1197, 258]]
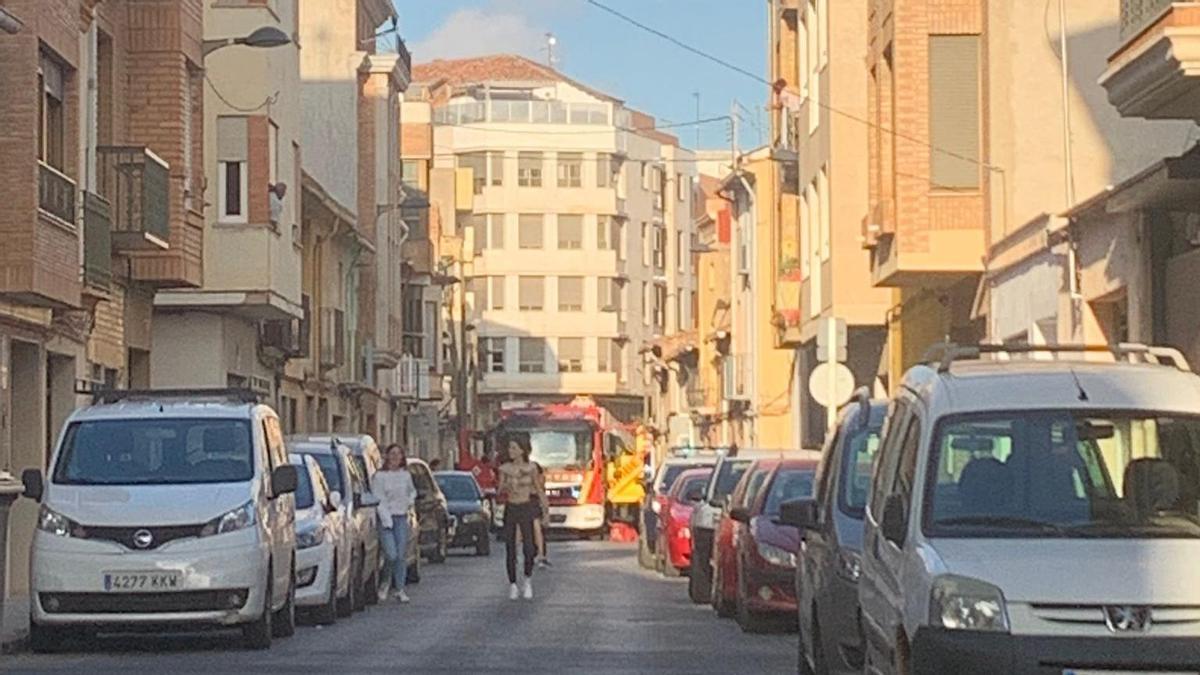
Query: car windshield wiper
[[1013, 522]]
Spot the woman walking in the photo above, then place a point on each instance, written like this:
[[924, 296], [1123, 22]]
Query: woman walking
[[522, 487], [396, 492]]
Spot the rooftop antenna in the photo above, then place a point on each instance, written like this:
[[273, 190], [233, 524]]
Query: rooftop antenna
[[551, 43]]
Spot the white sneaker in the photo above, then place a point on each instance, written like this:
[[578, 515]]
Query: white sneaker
[[513, 592], [402, 597], [527, 591]]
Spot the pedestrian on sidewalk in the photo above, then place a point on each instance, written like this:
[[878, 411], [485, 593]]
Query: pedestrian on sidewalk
[[397, 494], [523, 489]]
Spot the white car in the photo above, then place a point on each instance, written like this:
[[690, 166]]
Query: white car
[[165, 508], [323, 544], [1036, 515]]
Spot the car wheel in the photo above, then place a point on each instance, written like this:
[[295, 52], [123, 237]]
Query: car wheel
[[699, 582], [47, 639], [747, 620], [328, 613], [257, 634], [345, 606], [725, 608], [414, 571], [645, 557], [360, 582], [483, 546], [284, 623]]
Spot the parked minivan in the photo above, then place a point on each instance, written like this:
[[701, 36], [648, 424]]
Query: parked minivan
[[831, 523], [165, 508], [1036, 515]]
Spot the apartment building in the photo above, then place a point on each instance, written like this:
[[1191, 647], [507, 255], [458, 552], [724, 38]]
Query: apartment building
[[101, 207], [579, 211], [821, 271], [980, 174], [714, 229]]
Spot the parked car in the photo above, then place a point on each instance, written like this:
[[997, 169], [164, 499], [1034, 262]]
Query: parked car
[[831, 524], [433, 514], [166, 509], [652, 504], [323, 544], [766, 548], [674, 547], [470, 510], [365, 459], [705, 516], [728, 532], [1030, 512]]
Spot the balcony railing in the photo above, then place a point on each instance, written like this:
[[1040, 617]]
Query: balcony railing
[[1137, 14], [56, 193], [97, 241], [136, 183]]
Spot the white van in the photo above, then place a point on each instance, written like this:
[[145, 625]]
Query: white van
[[1037, 515], [165, 508]]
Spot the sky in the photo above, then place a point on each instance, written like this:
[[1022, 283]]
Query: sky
[[602, 51]]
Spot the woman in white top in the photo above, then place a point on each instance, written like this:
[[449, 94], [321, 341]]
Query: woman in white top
[[394, 487]]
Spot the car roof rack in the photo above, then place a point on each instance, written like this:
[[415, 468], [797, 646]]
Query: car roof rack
[[945, 354], [121, 395]]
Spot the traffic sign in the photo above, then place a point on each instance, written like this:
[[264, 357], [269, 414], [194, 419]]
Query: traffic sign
[[831, 384]]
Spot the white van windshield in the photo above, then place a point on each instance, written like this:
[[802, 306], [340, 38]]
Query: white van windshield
[[1065, 474], [156, 452]]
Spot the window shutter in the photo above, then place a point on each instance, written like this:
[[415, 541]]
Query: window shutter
[[954, 126]]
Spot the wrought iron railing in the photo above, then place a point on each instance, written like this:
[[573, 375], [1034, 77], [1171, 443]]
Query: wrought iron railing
[[97, 241], [136, 183], [56, 193], [1137, 14]]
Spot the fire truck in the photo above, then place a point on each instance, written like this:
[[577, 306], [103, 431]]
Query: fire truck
[[585, 453]]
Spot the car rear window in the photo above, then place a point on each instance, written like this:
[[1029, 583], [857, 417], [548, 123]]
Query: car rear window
[[728, 476], [788, 484]]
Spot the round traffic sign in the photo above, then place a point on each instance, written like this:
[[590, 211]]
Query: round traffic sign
[[831, 388]]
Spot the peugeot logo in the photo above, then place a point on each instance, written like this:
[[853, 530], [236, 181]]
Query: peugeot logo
[[1127, 619], [143, 538]]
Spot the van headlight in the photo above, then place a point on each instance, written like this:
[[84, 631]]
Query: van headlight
[[57, 524], [776, 555], [232, 521], [310, 536], [961, 603]]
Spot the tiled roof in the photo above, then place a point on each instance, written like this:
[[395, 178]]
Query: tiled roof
[[496, 68]]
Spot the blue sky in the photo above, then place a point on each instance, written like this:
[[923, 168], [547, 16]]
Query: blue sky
[[604, 52]]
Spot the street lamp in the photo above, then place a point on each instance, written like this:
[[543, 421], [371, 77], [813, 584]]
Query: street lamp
[[9, 23], [265, 37]]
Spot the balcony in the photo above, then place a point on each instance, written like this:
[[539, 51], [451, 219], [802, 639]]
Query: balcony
[[1155, 73], [136, 183], [416, 380], [97, 241], [56, 194]]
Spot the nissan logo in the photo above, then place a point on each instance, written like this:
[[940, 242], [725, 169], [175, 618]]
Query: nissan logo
[[143, 538], [1127, 618]]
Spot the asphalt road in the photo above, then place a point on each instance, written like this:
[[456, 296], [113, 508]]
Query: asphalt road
[[594, 612]]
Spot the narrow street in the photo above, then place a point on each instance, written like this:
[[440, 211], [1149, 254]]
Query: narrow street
[[595, 612]]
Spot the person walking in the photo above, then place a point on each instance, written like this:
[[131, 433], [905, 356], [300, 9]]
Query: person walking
[[522, 487], [541, 522], [397, 494]]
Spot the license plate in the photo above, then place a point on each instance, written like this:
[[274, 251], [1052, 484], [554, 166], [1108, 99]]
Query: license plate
[[558, 519], [133, 582]]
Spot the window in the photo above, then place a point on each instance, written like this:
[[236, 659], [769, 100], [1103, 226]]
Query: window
[[805, 250], [529, 231], [532, 355], [802, 54], [660, 306], [570, 170], [823, 203], [430, 333], [647, 304], [681, 187], [954, 127], [531, 294], [604, 233], [477, 163], [647, 244], [570, 232], [619, 240], [660, 247], [272, 152], [495, 168], [232, 181], [570, 355], [570, 294], [493, 354], [680, 260], [609, 294], [814, 251], [410, 172], [479, 287], [51, 112], [479, 230], [529, 169], [604, 170], [646, 175], [496, 231], [604, 361], [497, 292]]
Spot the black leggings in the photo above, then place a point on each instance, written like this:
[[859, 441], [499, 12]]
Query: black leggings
[[522, 516]]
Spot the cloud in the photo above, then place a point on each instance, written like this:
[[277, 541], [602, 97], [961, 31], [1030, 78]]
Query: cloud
[[499, 27]]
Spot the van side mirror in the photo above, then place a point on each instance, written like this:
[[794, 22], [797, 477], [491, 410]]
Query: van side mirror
[[740, 513], [31, 479], [895, 520], [284, 480], [799, 513]]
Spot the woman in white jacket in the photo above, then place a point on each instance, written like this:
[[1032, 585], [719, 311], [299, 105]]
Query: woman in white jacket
[[394, 487]]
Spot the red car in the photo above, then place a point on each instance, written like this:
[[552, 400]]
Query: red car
[[766, 549], [674, 546], [728, 532]]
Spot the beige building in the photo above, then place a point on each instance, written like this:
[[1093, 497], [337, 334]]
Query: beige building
[[579, 211]]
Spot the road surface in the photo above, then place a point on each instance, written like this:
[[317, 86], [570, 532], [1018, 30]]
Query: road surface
[[594, 612]]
